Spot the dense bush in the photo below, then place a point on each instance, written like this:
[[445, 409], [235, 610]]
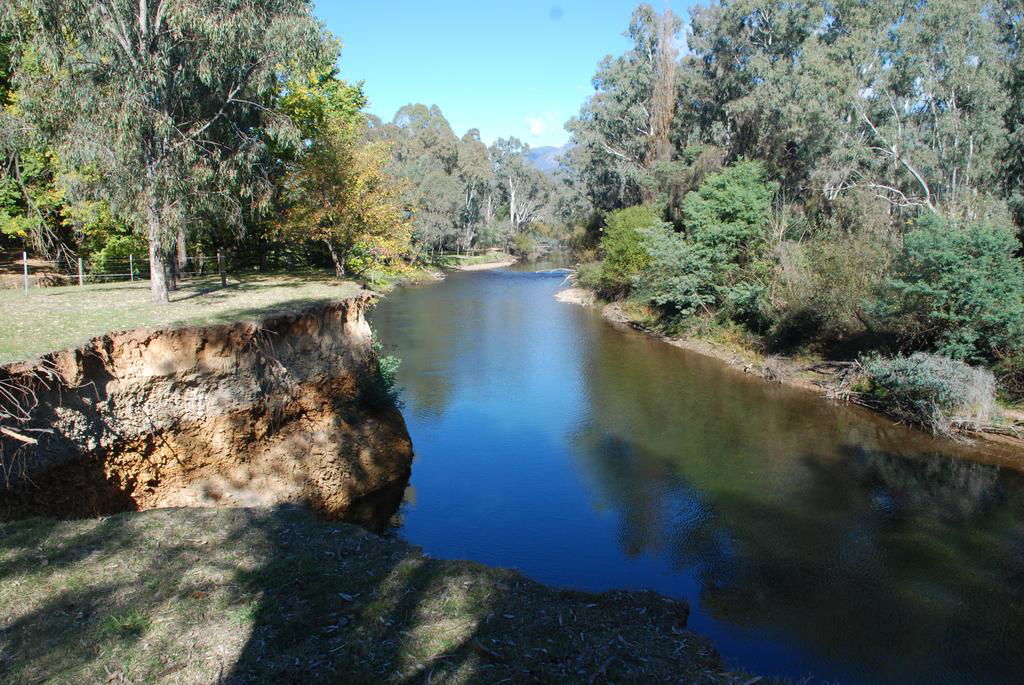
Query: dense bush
[[588, 275], [114, 256], [746, 303], [958, 290], [827, 286], [622, 245], [524, 245], [680, 278], [730, 211], [932, 390]]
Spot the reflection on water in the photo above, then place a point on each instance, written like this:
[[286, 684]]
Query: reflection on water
[[809, 538]]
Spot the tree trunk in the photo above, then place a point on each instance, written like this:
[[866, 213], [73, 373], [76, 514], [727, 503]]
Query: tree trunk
[[172, 270], [157, 263], [182, 257], [339, 262]]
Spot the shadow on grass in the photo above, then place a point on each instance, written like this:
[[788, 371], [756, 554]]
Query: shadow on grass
[[277, 596]]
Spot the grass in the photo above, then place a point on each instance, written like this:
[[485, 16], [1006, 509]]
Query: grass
[[278, 596], [49, 319]]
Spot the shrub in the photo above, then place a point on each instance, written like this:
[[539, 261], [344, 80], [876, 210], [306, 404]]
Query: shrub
[[524, 245], [730, 211], [932, 390], [827, 286], [114, 256], [746, 303], [588, 275], [681, 277], [622, 244], [958, 290], [387, 393]]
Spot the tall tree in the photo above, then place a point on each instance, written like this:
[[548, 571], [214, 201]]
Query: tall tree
[[171, 101], [526, 190], [337, 190], [623, 129]]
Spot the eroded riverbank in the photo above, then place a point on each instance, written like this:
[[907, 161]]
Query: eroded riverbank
[[286, 408]]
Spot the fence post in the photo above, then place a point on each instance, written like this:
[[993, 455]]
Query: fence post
[[24, 259], [223, 274], [81, 275], [131, 267]]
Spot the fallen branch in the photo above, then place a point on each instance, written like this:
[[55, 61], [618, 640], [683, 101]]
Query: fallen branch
[[18, 436]]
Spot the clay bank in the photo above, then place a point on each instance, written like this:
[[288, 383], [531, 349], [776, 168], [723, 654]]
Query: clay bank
[[289, 408]]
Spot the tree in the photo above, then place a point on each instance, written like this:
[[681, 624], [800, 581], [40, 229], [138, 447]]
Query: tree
[[624, 128], [622, 243], [477, 180], [338, 190], [926, 126], [729, 213], [425, 154], [171, 102], [525, 189]]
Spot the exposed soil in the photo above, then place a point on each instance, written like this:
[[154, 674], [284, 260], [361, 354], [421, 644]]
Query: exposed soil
[[291, 408], [501, 264]]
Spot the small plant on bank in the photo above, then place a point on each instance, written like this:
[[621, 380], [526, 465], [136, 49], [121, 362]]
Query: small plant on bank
[[388, 364], [937, 392]]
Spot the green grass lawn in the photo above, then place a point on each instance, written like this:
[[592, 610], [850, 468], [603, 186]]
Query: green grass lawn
[[49, 319]]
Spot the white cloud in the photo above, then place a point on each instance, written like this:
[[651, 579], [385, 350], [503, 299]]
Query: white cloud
[[537, 125]]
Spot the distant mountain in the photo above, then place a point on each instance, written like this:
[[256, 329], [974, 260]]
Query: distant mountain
[[546, 158]]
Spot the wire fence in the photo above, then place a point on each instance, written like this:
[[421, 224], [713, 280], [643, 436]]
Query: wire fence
[[28, 273]]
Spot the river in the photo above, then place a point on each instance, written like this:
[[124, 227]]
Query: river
[[811, 539]]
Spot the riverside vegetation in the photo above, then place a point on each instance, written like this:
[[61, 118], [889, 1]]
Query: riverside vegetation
[[828, 180], [836, 181]]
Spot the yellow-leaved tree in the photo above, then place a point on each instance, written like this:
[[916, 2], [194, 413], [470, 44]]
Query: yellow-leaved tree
[[338, 190]]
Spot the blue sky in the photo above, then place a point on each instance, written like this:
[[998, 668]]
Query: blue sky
[[510, 68]]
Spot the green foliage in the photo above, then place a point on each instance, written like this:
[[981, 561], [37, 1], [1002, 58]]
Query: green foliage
[[204, 74], [524, 244], [115, 255], [931, 390], [746, 303], [827, 286], [729, 213], [679, 277], [588, 275], [957, 289], [387, 365], [623, 246]]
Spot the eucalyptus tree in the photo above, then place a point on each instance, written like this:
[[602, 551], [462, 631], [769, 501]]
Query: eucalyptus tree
[[624, 128], [170, 101], [927, 131], [477, 179], [762, 84], [525, 190], [425, 153]]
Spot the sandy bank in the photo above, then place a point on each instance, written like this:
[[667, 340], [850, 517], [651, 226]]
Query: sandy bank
[[580, 296], [485, 266]]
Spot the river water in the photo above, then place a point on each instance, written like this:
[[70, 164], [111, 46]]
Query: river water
[[811, 539]]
